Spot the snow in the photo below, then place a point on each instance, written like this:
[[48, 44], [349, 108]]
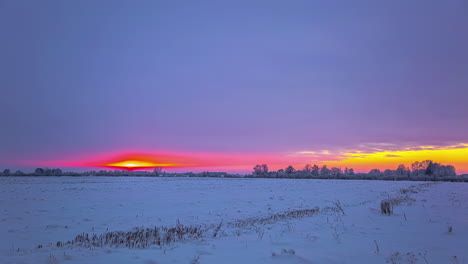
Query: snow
[[43, 210]]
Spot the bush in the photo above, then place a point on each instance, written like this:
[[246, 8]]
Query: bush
[[386, 207]]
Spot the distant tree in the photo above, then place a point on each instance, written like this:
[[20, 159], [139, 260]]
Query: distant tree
[[389, 173], [39, 172], [375, 173], [349, 171], [290, 169], [335, 172], [19, 173], [57, 172], [402, 170], [257, 170], [419, 168], [425, 163], [260, 169], [307, 168], [438, 170], [315, 170], [325, 171], [415, 166], [432, 169], [449, 171], [6, 172], [157, 171]]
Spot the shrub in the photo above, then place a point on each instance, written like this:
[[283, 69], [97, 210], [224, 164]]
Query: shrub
[[386, 207]]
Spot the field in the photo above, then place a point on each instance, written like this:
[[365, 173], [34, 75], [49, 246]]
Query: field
[[235, 220]]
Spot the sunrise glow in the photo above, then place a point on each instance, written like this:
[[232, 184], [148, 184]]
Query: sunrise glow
[[137, 164], [361, 159], [454, 155]]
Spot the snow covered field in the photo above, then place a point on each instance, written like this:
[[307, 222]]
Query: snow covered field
[[43, 210]]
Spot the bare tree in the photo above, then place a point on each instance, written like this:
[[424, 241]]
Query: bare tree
[[335, 172], [157, 171], [325, 171], [375, 173], [349, 171], [258, 170], [290, 169], [315, 170], [402, 170]]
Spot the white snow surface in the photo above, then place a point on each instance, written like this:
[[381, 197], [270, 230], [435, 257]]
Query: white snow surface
[[44, 210]]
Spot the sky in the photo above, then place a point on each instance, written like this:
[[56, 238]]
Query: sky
[[224, 85]]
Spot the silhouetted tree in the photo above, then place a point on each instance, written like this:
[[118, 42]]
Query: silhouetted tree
[[290, 169], [315, 170], [325, 171], [389, 173], [57, 172], [335, 172], [157, 171], [375, 173], [448, 171], [257, 170], [419, 168], [39, 172], [402, 170], [431, 168], [349, 171], [19, 173]]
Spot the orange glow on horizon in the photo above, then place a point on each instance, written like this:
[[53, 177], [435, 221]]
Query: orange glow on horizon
[[456, 155], [360, 159], [137, 164]]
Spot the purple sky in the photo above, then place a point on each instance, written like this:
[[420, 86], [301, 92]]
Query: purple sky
[[80, 77]]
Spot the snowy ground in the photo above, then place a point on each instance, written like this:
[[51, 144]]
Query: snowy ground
[[43, 210]]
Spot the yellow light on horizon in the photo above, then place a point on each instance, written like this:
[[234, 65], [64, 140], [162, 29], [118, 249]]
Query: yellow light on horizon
[[390, 159], [138, 164]]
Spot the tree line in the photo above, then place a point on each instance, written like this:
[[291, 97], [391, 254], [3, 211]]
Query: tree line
[[417, 171], [424, 170], [156, 172]]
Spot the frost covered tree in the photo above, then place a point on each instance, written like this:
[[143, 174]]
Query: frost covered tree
[[402, 170], [419, 168], [447, 171], [19, 173], [56, 172], [290, 169], [375, 173], [257, 170], [325, 171], [438, 170], [260, 169], [349, 171], [389, 173], [335, 172], [432, 169], [39, 172], [307, 168], [6, 172], [157, 171], [315, 170]]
